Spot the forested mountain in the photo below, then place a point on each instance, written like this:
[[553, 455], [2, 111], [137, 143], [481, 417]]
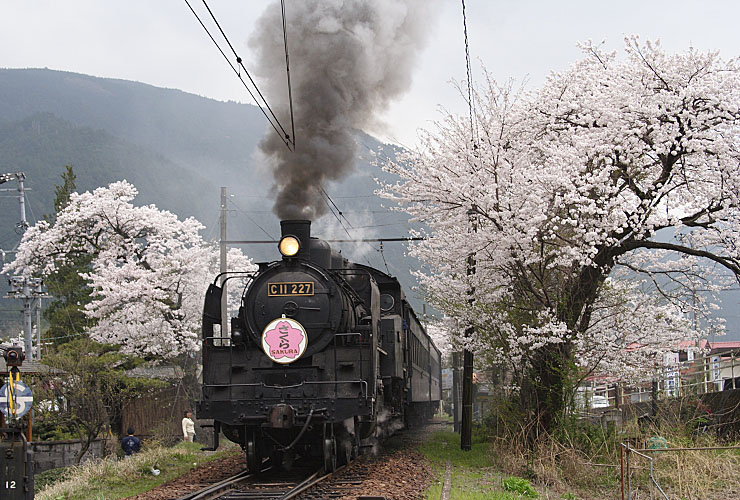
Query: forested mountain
[[178, 149], [41, 144]]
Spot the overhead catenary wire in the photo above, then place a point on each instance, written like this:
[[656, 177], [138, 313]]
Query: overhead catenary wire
[[262, 103]]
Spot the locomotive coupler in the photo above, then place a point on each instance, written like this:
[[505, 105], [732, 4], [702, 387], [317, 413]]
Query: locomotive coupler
[[300, 434], [282, 416]]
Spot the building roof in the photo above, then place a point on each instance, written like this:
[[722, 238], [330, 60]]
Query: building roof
[[723, 346], [688, 344], [160, 372], [601, 378], [30, 368]]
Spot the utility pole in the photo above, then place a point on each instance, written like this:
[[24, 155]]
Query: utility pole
[[456, 392], [224, 295], [38, 322], [466, 427], [29, 290]]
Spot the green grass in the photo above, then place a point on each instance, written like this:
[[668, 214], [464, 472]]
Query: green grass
[[112, 478], [473, 474], [443, 446]]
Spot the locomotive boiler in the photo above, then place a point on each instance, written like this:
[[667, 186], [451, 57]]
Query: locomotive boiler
[[324, 355]]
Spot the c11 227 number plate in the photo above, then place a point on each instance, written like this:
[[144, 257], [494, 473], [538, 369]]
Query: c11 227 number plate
[[289, 289]]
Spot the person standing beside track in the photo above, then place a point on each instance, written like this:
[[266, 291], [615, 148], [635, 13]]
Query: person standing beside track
[[188, 427]]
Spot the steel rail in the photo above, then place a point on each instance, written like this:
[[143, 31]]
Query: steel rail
[[218, 488], [228, 485], [309, 483]]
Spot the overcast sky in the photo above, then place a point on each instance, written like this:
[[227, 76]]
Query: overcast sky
[[160, 43]]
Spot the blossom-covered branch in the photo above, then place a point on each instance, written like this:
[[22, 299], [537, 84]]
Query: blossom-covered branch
[[149, 269], [616, 161]]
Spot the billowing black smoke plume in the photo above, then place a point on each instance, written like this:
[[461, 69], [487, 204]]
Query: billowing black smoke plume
[[348, 60]]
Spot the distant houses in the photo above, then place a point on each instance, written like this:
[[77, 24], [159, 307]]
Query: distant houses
[[693, 368]]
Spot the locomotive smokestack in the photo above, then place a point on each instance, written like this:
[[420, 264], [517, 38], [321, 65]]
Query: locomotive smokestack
[[348, 61]]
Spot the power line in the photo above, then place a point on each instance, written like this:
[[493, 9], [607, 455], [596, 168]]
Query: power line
[[341, 214], [384, 261], [470, 83], [354, 240], [250, 219], [329, 200], [71, 335], [30, 208], [276, 125], [359, 212], [326, 200], [211, 234], [384, 225], [287, 69]]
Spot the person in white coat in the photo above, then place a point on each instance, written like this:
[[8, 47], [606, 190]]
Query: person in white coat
[[188, 427]]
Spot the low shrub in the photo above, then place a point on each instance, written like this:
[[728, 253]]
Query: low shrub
[[521, 486]]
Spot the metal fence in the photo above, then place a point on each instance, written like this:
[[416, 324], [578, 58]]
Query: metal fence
[[628, 456]]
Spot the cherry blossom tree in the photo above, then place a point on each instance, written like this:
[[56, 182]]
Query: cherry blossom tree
[[149, 269], [618, 164]]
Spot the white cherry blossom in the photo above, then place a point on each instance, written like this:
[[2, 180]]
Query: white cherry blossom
[[149, 272], [618, 163]]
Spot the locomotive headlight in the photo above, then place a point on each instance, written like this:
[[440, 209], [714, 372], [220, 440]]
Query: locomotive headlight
[[289, 246]]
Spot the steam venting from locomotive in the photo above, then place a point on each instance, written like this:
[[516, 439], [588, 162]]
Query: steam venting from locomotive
[[348, 60]]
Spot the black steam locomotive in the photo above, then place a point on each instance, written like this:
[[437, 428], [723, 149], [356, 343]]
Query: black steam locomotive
[[324, 355]]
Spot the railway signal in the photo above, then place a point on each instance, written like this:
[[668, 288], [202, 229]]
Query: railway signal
[[14, 356], [16, 456]]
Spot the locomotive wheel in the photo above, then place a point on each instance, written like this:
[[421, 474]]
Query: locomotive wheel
[[356, 439], [330, 454], [345, 451], [348, 445], [288, 459], [254, 457]]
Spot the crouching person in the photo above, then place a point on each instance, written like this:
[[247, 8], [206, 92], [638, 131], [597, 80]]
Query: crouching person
[[130, 444]]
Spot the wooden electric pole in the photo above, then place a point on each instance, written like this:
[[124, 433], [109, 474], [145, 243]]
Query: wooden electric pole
[[224, 295], [456, 392], [466, 428]]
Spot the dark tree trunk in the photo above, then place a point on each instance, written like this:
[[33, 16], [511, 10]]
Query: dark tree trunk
[[543, 394], [543, 390], [86, 442]]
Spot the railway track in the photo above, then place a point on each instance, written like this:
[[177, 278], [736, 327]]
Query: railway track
[[390, 471], [301, 482]]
